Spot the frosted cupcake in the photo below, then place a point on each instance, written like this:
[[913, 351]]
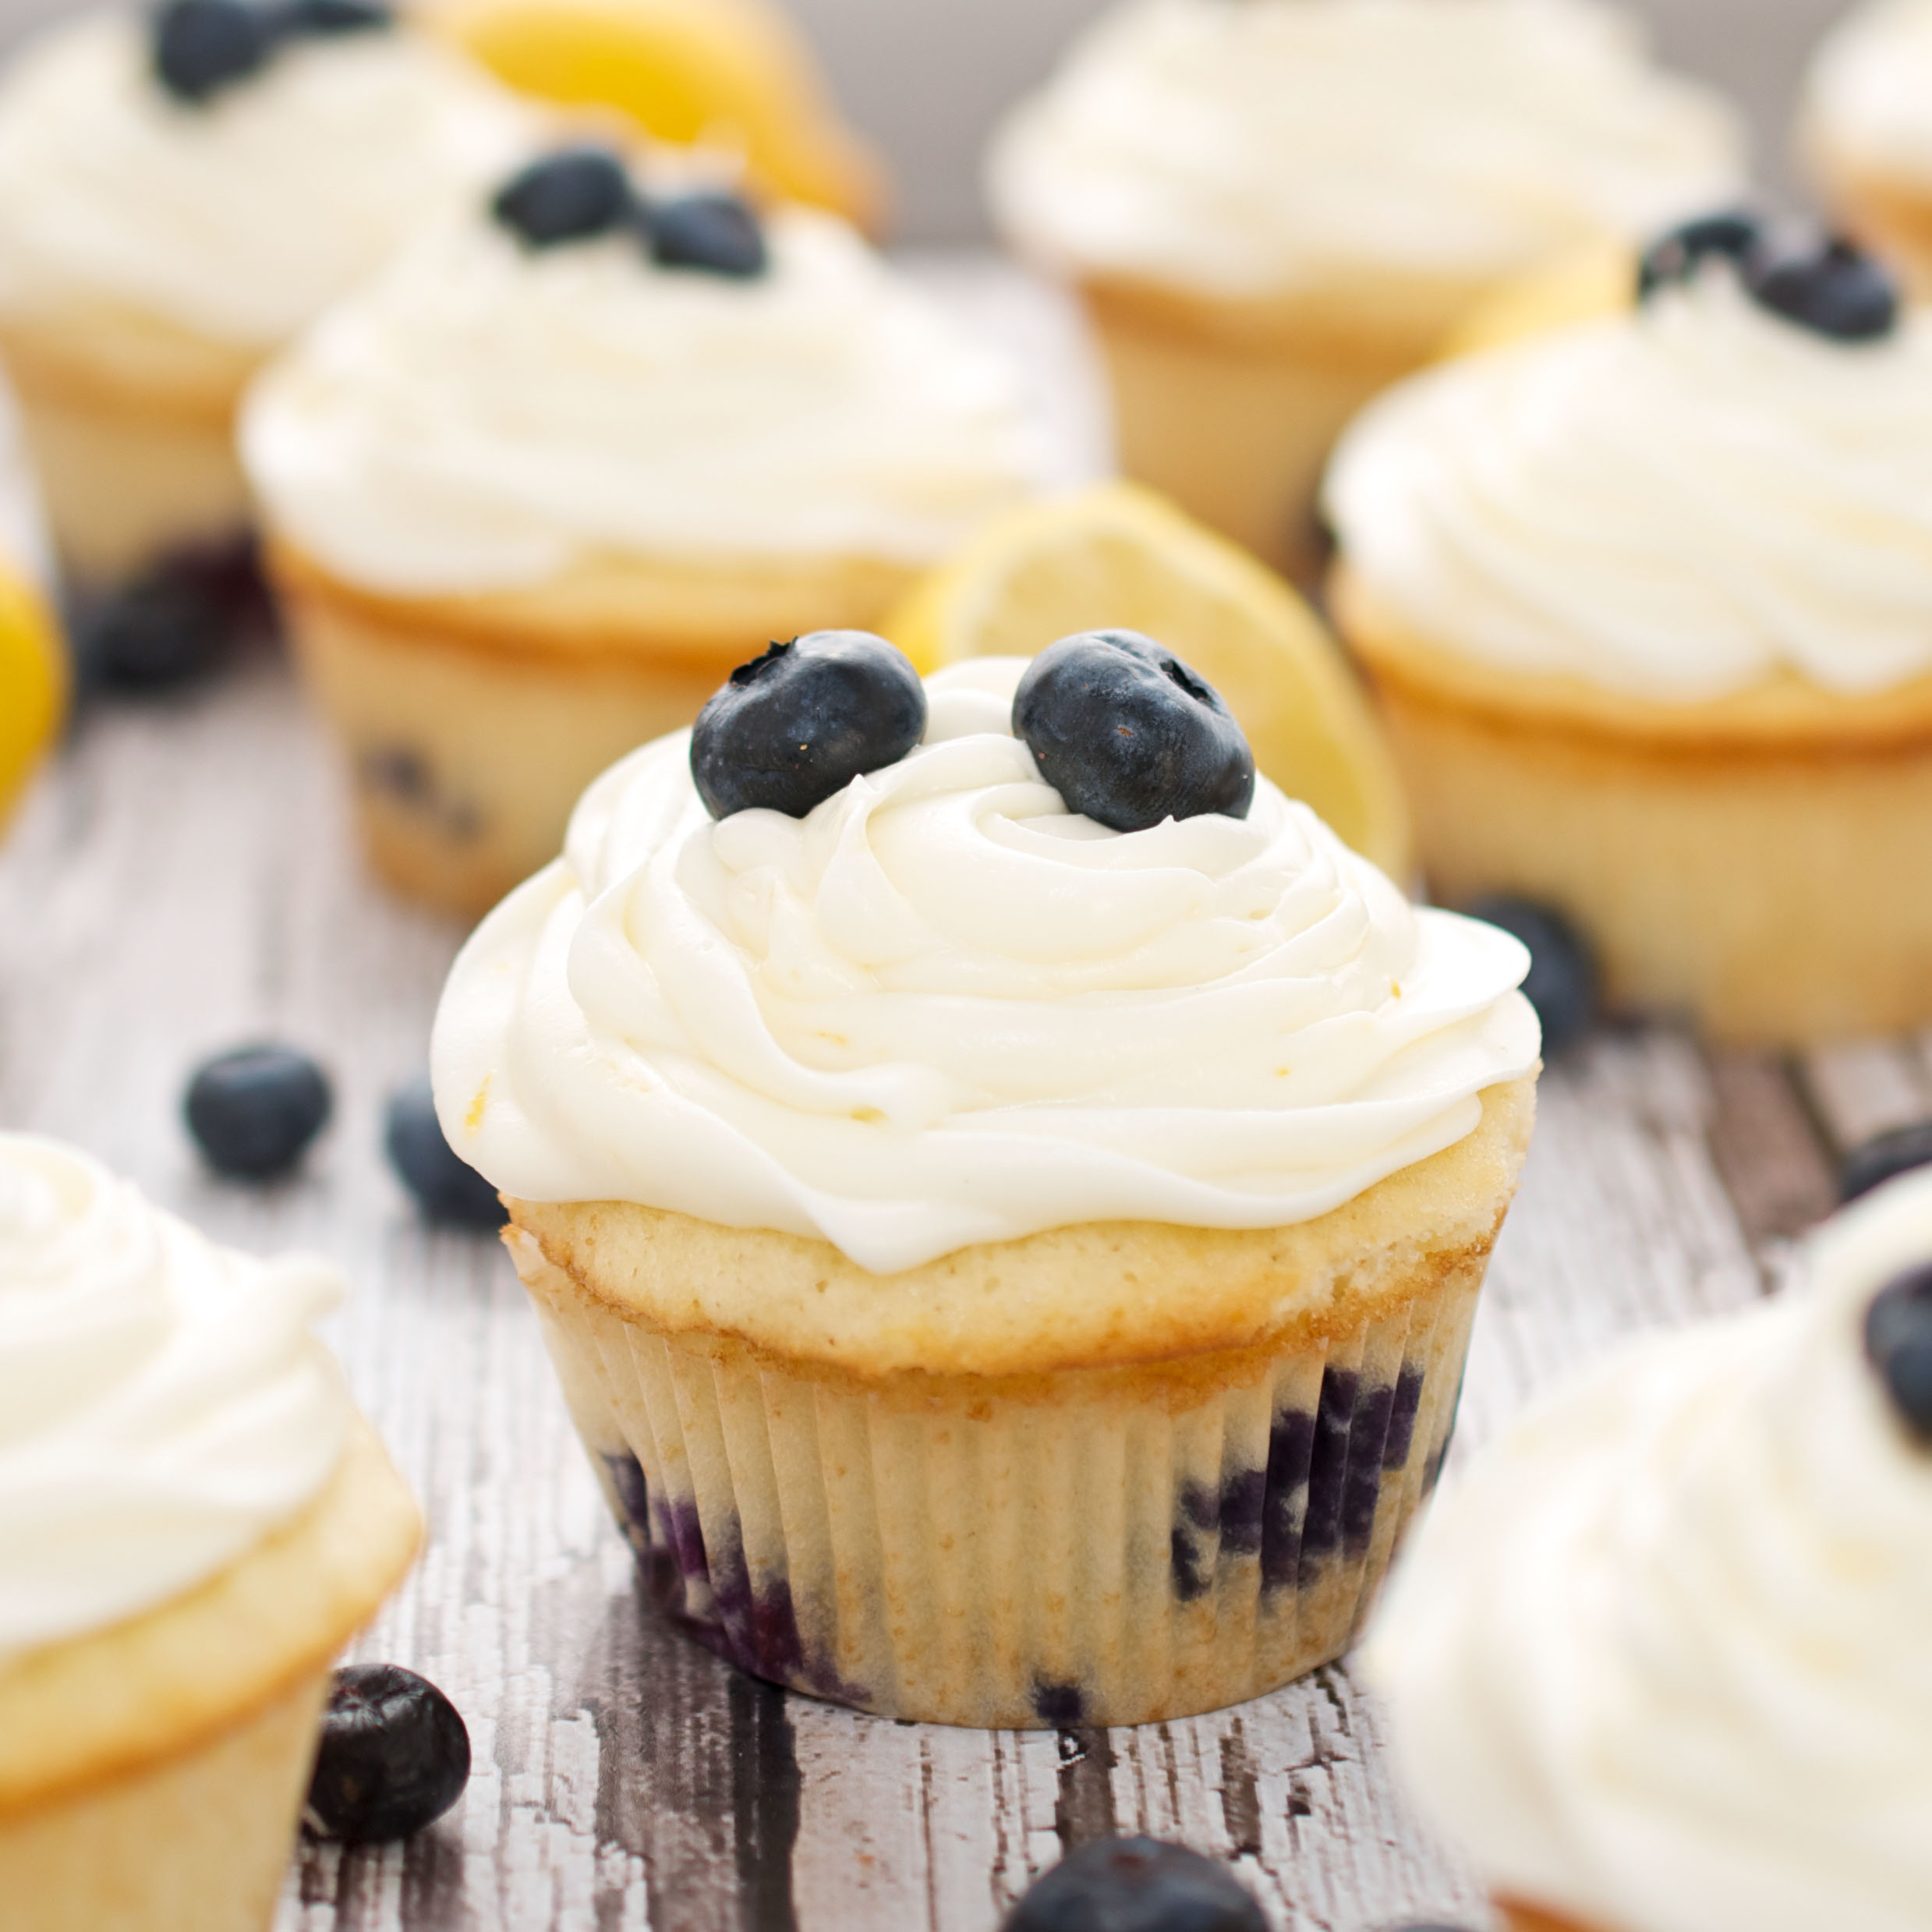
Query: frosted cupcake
[[1866, 130], [196, 1522], [1273, 210], [1008, 1268], [1649, 603], [532, 494], [1658, 1662], [180, 192]]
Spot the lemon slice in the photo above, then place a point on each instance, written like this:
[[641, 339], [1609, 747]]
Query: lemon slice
[[730, 72], [1118, 556], [32, 685]]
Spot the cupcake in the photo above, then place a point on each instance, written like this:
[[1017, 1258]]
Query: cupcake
[[195, 1521], [1866, 131], [1648, 602], [532, 495], [1658, 1661], [180, 191], [1007, 1210], [1272, 211]]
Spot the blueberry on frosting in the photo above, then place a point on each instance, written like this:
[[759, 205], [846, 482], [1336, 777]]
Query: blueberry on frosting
[[1832, 287], [202, 46], [324, 18], [1138, 1884], [1898, 1342], [795, 727], [574, 195], [1128, 734], [718, 233], [1733, 235]]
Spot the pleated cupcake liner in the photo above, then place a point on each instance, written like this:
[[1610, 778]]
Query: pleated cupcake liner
[[1092, 1548]]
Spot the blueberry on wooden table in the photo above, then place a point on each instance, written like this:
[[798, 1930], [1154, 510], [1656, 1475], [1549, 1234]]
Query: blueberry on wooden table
[[394, 1756], [1129, 735], [171, 623], [719, 234], [1833, 288], [1564, 985], [203, 46], [253, 1111], [795, 727], [1733, 235], [449, 1191], [1884, 1158], [574, 195], [1899, 1343], [1138, 1884]]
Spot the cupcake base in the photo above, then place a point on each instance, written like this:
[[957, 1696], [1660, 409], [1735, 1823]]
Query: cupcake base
[[1752, 863], [1118, 1543], [151, 1774], [471, 727]]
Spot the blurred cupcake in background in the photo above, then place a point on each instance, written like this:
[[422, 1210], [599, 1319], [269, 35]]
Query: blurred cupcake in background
[[1657, 1661], [735, 75], [532, 495], [180, 190], [1273, 210], [196, 1522], [1865, 129], [1648, 603]]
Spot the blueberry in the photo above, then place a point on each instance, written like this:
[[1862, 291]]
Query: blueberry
[[202, 46], [794, 728], [447, 1188], [574, 195], [1138, 1884], [1884, 1157], [1833, 288], [718, 233], [1564, 986], [1733, 235], [175, 621], [1898, 1342], [393, 1756], [326, 18], [254, 1111], [1128, 734]]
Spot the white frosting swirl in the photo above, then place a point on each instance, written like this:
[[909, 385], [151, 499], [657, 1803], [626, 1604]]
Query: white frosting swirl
[[163, 1403], [240, 219], [1677, 503], [1865, 96], [942, 1010], [1660, 1661], [486, 415], [1256, 148]]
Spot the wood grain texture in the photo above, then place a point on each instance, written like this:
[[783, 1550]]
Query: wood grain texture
[[183, 880]]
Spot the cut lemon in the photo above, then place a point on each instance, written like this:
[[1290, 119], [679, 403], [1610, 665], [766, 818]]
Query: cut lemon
[[731, 73], [1118, 556], [32, 685]]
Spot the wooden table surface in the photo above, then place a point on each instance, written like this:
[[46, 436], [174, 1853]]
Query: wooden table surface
[[183, 880]]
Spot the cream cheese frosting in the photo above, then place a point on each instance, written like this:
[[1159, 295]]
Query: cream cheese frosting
[[1659, 1662], [240, 219], [1866, 95], [487, 416], [1257, 149], [942, 1010], [163, 1402], [1678, 503]]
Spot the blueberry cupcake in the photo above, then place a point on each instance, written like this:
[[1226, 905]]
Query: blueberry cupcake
[[532, 495], [1657, 1661], [1866, 130], [1005, 1189], [1272, 211], [1648, 602], [180, 190], [196, 1522]]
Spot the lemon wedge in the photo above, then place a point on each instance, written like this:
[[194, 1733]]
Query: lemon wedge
[[32, 685], [1119, 556], [731, 73]]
